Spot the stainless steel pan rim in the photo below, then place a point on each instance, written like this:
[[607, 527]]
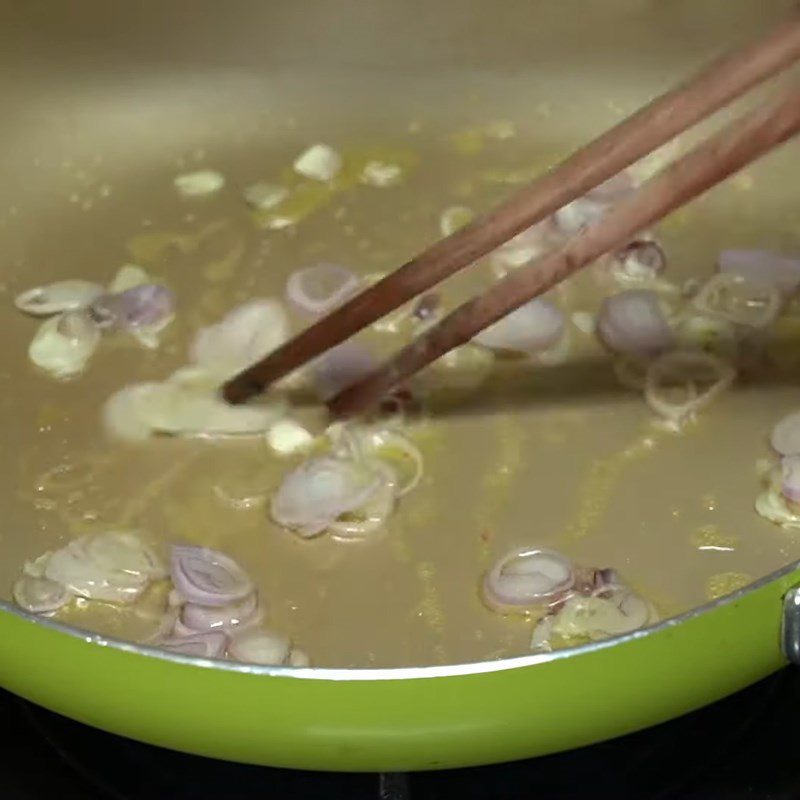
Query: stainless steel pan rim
[[397, 673]]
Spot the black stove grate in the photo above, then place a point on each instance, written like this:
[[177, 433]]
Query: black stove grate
[[738, 749]]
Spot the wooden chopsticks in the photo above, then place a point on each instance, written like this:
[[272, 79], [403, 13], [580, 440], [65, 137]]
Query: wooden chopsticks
[[737, 145]]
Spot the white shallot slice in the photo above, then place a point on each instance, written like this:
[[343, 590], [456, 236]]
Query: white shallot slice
[[200, 183], [40, 595], [785, 436], [762, 267], [37, 567], [318, 290], [399, 453], [790, 478], [179, 409], [542, 633], [125, 414], [535, 326], [340, 367], [124, 551], [639, 262], [680, 383], [321, 490], [86, 567], [64, 344], [381, 174], [320, 163], [773, 506], [527, 579], [200, 645], [207, 577], [260, 647], [240, 614], [287, 437], [633, 323], [737, 299], [241, 338], [369, 517], [598, 617], [299, 658], [69, 295], [147, 306]]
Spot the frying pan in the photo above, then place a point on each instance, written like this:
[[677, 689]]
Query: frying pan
[[122, 84]]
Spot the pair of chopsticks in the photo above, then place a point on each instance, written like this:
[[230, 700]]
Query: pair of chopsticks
[[736, 145]]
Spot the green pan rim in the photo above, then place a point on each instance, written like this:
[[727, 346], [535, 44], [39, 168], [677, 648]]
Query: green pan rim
[[398, 673]]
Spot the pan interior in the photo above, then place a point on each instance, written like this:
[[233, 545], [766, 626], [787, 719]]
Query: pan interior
[[105, 109]]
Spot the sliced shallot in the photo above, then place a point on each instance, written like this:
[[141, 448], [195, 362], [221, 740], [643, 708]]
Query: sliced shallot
[[641, 260], [533, 327], [597, 617], [287, 437], [762, 267], [114, 567], [318, 290], [320, 491], [64, 344], [207, 577], [201, 645], [785, 437], [200, 183], [593, 581], [633, 323], [527, 579], [790, 478], [370, 516], [185, 405], [773, 506], [124, 413], [732, 297], [145, 306], [124, 551], [680, 383], [69, 295], [241, 338], [260, 647], [320, 162], [225, 618], [299, 658], [399, 453], [40, 595]]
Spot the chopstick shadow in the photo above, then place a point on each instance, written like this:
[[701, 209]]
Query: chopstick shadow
[[516, 384]]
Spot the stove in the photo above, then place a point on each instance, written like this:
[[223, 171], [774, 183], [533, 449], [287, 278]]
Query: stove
[[742, 747]]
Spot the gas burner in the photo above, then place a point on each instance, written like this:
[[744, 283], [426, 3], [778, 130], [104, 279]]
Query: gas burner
[[736, 749]]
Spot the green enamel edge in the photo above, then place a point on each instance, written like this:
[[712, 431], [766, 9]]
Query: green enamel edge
[[397, 720]]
